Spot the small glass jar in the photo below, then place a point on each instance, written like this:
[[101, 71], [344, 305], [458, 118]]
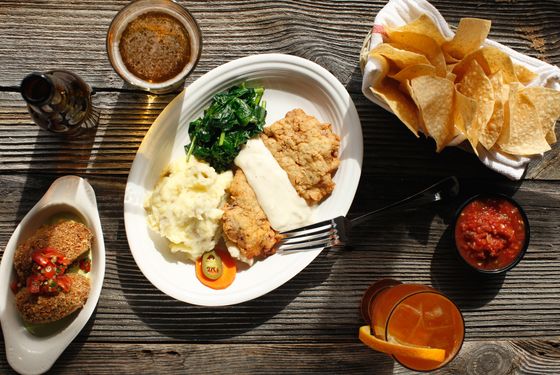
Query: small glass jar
[[154, 45]]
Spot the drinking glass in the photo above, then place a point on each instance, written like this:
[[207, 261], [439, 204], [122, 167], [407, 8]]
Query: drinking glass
[[163, 44], [414, 315]]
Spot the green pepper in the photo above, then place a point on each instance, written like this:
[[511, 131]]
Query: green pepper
[[212, 265]]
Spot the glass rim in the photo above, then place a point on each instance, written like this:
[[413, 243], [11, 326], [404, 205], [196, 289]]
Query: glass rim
[[432, 291], [371, 293]]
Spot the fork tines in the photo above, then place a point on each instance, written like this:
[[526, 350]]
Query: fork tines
[[318, 235]]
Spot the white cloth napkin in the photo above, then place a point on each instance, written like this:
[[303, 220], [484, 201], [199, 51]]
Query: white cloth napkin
[[400, 12]]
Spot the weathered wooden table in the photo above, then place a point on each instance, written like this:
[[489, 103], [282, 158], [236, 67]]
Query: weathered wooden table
[[309, 324]]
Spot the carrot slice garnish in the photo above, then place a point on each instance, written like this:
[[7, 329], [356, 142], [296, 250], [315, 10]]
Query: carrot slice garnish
[[228, 273], [420, 352]]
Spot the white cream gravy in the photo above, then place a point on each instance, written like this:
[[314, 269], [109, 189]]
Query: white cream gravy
[[284, 208]]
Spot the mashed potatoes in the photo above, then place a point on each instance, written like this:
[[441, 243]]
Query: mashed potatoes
[[185, 206]]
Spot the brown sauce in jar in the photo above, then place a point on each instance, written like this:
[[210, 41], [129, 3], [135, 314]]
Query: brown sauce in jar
[[155, 47]]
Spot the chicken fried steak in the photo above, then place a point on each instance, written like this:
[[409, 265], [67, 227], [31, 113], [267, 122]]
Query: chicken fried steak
[[307, 150], [244, 222]]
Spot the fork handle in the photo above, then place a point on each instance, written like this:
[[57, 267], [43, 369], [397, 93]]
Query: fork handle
[[444, 189]]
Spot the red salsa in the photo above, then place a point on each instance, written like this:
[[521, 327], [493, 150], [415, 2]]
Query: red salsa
[[47, 273], [49, 266], [490, 233]]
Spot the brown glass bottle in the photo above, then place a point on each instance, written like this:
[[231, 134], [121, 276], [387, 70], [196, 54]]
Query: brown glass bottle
[[59, 101]]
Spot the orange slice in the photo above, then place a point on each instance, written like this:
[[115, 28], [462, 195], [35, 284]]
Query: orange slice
[[420, 352]]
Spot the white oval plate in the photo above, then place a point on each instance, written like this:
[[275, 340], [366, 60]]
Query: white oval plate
[[290, 82], [26, 353]]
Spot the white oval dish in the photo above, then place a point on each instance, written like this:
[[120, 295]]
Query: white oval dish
[[26, 353], [290, 82]]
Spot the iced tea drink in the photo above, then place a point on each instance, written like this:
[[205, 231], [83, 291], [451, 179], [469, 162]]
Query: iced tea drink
[[414, 315]]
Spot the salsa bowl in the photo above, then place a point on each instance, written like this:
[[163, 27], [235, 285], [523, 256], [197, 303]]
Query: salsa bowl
[[491, 233]]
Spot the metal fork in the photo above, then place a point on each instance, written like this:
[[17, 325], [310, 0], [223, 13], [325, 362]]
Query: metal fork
[[334, 232]]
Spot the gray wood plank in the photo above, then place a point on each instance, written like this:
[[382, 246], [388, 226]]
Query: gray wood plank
[[389, 148], [71, 36], [310, 323], [322, 301], [475, 358], [45, 34]]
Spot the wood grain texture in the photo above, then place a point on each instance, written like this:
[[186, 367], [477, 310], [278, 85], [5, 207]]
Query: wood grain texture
[[223, 359], [71, 35], [308, 325], [492, 357], [320, 305], [126, 116]]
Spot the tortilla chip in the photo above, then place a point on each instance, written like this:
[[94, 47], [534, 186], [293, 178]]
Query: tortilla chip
[[547, 103], [464, 112], [424, 25], [489, 134], [399, 57], [491, 60], [522, 133], [451, 76], [414, 71], [434, 97], [419, 68], [423, 44], [477, 86], [406, 88], [523, 74], [551, 137], [401, 105], [450, 60], [470, 35]]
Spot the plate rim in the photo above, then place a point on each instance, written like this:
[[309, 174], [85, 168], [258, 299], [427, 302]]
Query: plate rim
[[219, 73]]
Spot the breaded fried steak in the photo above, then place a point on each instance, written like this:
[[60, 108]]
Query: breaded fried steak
[[244, 222], [47, 308], [307, 150], [69, 237]]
